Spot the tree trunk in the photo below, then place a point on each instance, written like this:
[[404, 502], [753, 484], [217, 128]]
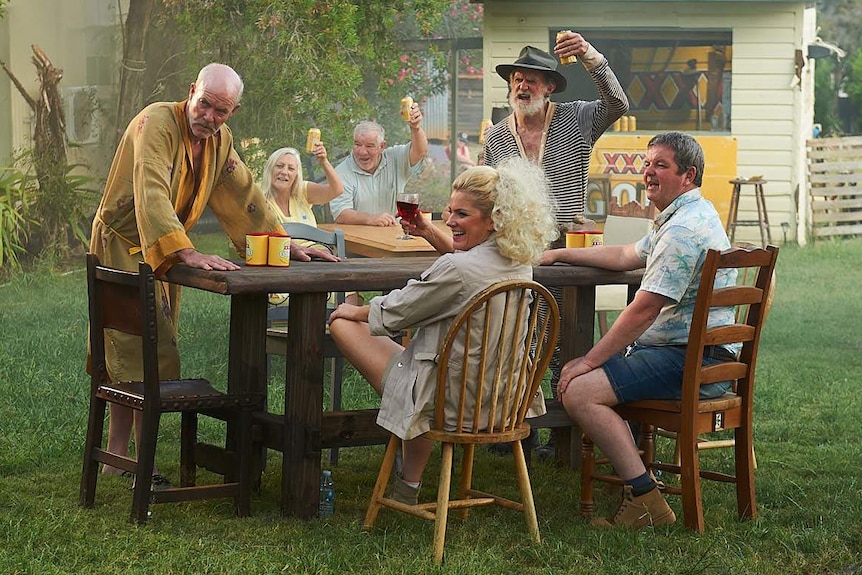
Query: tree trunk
[[134, 64]]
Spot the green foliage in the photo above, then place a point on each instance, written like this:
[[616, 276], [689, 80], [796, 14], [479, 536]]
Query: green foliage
[[16, 197], [825, 101], [853, 82], [311, 63]]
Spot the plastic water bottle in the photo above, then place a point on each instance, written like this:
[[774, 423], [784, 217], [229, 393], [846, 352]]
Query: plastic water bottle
[[327, 494]]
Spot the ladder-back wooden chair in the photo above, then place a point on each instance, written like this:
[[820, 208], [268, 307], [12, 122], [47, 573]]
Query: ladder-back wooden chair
[[126, 301], [691, 417], [516, 346]]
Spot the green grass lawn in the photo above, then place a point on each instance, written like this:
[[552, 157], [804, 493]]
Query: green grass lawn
[[809, 482]]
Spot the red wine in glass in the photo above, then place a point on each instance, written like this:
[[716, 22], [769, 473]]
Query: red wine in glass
[[408, 210]]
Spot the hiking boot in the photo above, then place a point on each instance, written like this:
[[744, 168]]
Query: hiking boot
[[401, 492], [636, 512]]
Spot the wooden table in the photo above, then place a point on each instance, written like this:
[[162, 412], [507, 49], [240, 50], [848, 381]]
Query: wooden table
[[305, 429], [382, 242]]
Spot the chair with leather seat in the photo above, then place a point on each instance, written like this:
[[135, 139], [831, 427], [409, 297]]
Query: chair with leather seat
[[691, 417], [518, 368], [276, 335], [126, 301]]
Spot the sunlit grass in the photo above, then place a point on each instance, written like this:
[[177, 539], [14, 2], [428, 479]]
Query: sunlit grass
[[809, 483]]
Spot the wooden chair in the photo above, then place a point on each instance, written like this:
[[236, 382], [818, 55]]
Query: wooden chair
[[498, 417], [746, 277], [623, 225], [126, 302], [276, 336], [690, 417]]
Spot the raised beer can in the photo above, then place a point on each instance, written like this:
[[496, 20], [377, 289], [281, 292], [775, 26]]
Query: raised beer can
[[483, 127], [565, 60], [406, 104], [313, 138]]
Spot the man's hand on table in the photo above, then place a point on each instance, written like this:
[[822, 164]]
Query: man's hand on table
[[384, 220], [305, 254], [194, 259]]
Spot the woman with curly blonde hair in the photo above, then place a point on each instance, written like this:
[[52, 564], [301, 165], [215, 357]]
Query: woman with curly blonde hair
[[501, 220]]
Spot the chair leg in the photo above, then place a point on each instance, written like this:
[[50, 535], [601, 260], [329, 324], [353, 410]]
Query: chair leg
[[90, 470], [588, 466], [442, 511], [746, 504], [526, 491], [382, 481], [146, 455], [602, 316], [692, 501], [188, 439], [466, 476]]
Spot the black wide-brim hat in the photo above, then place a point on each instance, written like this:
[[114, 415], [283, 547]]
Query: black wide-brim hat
[[532, 58]]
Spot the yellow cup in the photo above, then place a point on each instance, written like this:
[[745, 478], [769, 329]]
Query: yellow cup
[[575, 239], [593, 239], [256, 249], [279, 250]]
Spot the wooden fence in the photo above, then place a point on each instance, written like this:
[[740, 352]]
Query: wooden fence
[[835, 186]]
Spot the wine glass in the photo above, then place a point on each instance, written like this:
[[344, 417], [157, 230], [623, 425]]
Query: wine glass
[[408, 210]]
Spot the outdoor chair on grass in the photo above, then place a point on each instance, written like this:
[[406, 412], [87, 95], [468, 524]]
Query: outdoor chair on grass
[[623, 225], [517, 361], [691, 416], [127, 302], [276, 335]]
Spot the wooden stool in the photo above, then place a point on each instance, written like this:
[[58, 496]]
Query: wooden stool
[[762, 218]]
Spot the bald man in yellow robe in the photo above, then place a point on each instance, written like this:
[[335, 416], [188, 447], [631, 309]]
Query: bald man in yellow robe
[[175, 159]]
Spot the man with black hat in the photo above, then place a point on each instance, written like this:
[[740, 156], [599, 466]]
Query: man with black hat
[[558, 136]]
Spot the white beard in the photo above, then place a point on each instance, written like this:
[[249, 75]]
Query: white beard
[[532, 107]]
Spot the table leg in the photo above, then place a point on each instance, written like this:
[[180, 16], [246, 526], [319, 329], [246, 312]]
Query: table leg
[[246, 369], [578, 317], [303, 405]]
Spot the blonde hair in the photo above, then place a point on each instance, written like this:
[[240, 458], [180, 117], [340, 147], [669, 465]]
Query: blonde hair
[[297, 188], [517, 198]]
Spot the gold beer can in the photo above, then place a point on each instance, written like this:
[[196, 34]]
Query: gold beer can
[[483, 126], [633, 123], [313, 138], [624, 124], [406, 104], [565, 60]]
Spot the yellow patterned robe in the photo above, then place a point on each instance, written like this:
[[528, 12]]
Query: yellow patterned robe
[[152, 199]]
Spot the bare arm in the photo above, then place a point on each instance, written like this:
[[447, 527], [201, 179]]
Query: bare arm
[[350, 312], [440, 240], [322, 193], [349, 216], [632, 322], [617, 258], [418, 139]]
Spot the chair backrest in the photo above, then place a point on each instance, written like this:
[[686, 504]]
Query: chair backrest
[[746, 330], [334, 239], [123, 301], [493, 358]]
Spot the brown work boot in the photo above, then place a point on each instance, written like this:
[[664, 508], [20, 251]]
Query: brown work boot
[[401, 492], [636, 512]]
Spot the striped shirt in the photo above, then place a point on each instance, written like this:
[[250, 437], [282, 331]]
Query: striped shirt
[[574, 128]]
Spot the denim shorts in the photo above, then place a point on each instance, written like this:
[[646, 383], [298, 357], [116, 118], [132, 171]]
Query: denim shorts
[[655, 372]]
